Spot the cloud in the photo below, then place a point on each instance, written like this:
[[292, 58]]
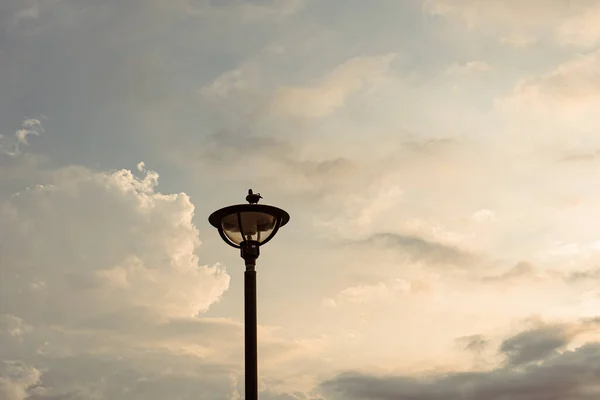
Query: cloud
[[522, 270], [98, 269], [250, 11], [15, 13], [525, 22], [556, 375], [15, 380], [13, 326], [543, 106], [29, 127], [232, 83], [572, 84], [360, 294], [469, 67], [583, 29], [289, 396], [474, 343], [276, 162], [418, 249], [483, 215], [11, 145], [135, 375], [112, 306], [121, 245], [535, 345], [519, 40], [249, 94], [332, 91], [588, 156], [377, 293]]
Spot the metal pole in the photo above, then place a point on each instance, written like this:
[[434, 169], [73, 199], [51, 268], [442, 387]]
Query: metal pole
[[250, 336]]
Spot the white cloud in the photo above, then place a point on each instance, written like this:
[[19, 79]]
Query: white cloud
[[15, 379], [375, 294], [525, 22], [556, 110], [99, 270], [121, 245], [13, 326], [29, 127], [483, 215], [572, 84], [100, 293], [583, 29], [519, 40], [469, 67], [364, 293], [332, 91], [230, 83]]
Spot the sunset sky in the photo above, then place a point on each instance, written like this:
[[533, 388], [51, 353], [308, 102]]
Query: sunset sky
[[440, 161]]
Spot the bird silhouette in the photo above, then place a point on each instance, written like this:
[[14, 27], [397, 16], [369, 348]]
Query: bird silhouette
[[253, 198]]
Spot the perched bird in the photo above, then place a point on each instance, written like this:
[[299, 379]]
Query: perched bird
[[253, 198]]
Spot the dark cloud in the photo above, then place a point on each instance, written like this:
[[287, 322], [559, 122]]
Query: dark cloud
[[572, 375], [474, 343], [537, 368], [419, 249], [536, 344], [591, 274]]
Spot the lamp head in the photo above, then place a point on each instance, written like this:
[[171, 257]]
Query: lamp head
[[253, 224]]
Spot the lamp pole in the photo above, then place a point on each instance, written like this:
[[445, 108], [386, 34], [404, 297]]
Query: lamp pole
[[250, 253], [247, 227]]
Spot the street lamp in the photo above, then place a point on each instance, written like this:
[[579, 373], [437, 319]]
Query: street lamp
[[247, 227]]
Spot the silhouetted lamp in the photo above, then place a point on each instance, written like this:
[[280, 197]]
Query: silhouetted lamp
[[247, 227]]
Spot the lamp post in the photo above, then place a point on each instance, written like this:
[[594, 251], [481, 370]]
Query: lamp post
[[247, 227]]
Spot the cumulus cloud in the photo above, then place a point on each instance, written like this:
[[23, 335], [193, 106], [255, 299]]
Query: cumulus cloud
[[97, 257], [15, 380], [121, 244], [102, 294]]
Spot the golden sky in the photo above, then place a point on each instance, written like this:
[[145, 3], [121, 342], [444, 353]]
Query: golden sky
[[440, 161]]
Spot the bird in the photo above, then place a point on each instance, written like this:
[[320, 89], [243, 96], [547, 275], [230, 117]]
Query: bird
[[253, 198]]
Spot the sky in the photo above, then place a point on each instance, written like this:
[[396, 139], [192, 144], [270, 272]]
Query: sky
[[440, 161]]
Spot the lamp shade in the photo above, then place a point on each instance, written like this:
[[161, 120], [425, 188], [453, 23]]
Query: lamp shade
[[248, 222]]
